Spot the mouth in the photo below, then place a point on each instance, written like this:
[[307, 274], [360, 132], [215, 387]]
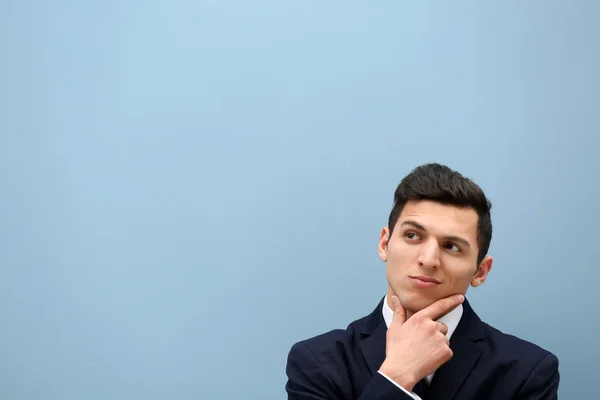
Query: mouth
[[423, 281]]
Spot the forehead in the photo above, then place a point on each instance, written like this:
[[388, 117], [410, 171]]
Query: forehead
[[442, 219]]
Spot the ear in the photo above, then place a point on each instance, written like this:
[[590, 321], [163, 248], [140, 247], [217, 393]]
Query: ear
[[384, 238], [484, 269]]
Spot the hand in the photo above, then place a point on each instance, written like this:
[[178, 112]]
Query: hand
[[417, 347]]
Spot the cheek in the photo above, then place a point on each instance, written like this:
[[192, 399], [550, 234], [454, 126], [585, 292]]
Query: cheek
[[398, 254], [459, 277], [399, 261]]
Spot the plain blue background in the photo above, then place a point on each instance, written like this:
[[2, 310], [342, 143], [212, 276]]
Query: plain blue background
[[189, 187]]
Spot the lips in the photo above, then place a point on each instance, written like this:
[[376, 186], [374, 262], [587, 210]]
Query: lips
[[423, 282], [425, 279]]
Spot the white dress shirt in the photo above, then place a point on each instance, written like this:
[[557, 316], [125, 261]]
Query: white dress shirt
[[451, 320]]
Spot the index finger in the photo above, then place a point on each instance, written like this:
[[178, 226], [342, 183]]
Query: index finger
[[442, 307]]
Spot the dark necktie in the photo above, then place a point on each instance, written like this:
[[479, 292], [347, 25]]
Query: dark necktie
[[420, 389]]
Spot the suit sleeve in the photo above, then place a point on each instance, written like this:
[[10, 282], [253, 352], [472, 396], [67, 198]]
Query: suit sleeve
[[309, 380], [543, 382]]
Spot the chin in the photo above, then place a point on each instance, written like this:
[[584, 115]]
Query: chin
[[414, 303]]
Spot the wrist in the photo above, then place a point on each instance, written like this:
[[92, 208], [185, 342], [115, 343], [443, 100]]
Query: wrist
[[404, 379]]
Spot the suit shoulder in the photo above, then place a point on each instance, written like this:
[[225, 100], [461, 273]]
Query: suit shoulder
[[330, 342], [325, 365], [514, 347], [530, 369]]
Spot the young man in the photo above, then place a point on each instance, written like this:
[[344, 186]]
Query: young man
[[424, 340]]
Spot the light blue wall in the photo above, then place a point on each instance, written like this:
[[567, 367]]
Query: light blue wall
[[189, 187]]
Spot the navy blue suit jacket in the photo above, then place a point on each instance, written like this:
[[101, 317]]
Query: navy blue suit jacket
[[487, 365]]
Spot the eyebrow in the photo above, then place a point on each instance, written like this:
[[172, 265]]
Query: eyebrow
[[420, 227]]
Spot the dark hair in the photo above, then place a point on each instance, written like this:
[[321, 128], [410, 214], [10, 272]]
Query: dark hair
[[441, 184]]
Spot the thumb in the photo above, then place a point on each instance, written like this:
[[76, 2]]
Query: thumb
[[399, 311]]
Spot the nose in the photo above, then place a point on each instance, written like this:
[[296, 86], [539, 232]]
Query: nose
[[430, 255]]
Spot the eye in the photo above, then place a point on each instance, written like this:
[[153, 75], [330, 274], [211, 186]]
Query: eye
[[452, 247], [412, 236]]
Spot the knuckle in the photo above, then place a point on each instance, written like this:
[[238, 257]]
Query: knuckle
[[432, 327], [446, 354]]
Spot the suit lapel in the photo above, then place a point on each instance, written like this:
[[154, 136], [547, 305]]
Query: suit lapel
[[373, 337], [450, 377], [373, 348]]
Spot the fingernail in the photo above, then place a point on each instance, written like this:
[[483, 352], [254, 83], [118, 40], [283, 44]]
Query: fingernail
[[461, 298], [394, 301]]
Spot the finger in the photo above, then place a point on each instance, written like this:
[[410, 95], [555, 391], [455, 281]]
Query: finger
[[399, 311], [442, 327], [442, 307]]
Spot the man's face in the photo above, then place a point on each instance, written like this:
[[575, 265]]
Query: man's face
[[432, 253]]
